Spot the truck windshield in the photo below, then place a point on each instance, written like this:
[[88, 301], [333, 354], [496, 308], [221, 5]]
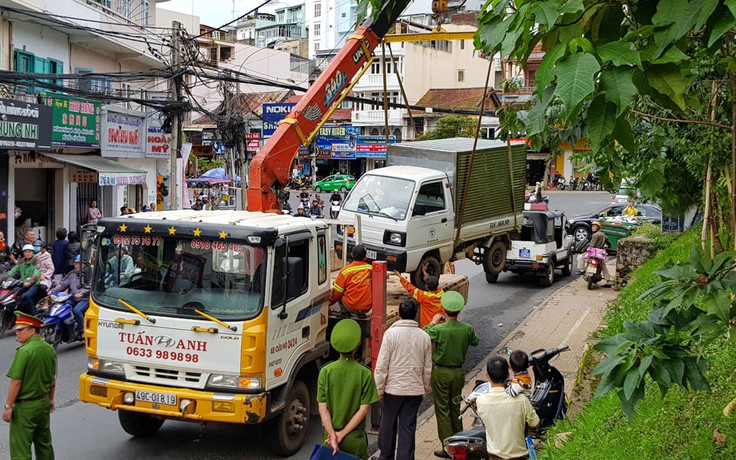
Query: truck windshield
[[380, 195], [174, 276]]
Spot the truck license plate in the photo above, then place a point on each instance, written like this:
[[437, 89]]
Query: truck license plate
[[524, 252], [154, 397], [371, 254]]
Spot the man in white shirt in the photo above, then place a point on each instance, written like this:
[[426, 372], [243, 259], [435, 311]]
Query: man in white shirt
[[505, 417], [403, 374]]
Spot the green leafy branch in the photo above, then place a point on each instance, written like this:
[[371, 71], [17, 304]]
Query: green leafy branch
[[692, 304]]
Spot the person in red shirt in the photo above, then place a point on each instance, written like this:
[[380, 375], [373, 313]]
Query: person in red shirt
[[430, 301], [352, 288]]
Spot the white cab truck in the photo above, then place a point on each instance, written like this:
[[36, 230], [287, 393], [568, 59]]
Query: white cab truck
[[410, 211]]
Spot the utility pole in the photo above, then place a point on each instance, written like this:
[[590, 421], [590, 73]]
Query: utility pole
[[175, 88]]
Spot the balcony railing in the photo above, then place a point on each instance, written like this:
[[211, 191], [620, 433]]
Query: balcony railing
[[376, 117]]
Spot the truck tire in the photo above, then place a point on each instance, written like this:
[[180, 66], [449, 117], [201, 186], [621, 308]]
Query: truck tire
[[286, 432], [494, 258], [434, 269], [491, 278], [549, 275], [567, 268], [138, 424]]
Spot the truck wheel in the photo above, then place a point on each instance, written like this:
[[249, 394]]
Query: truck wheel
[[491, 278], [288, 430], [549, 275], [567, 268], [434, 269], [495, 258], [139, 424]]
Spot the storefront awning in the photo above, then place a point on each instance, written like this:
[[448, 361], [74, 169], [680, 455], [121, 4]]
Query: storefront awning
[[109, 172]]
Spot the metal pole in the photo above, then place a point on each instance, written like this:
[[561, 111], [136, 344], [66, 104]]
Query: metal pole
[[385, 94], [174, 87]]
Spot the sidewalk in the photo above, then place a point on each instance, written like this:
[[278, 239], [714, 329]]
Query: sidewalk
[[568, 317]]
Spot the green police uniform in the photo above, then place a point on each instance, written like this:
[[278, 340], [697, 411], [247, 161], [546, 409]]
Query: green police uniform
[[35, 366], [451, 341], [345, 385]]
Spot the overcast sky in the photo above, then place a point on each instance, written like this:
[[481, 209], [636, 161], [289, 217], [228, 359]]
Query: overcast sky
[[223, 13]]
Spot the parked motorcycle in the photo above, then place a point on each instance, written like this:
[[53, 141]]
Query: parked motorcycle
[[574, 183], [594, 270], [548, 400], [11, 290], [334, 209], [60, 324]]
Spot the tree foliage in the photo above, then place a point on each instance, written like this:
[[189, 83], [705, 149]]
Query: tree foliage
[[612, 65], [652, 84], [452, 126]]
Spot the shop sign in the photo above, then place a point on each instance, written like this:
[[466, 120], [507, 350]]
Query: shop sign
[[158, 143], [82, 176], [76, 122], [122, 133], [273, 113], [372, 146], [107, 178], [253, 141], [343, 155], [24, 126], [339, 131]]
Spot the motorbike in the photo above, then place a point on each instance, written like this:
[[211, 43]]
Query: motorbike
[[594, 270], [574, 183], [548, 400], [334, 209], [11, 290], [60, 325], [558, 182]]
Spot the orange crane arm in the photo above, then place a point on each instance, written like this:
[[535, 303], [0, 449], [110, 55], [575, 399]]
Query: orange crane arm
[[272, 165]]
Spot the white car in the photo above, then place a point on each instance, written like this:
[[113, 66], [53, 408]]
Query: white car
[[625, 191]]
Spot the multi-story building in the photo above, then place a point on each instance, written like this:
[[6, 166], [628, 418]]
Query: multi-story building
[[330, 24], [289, 24], [86, 139]]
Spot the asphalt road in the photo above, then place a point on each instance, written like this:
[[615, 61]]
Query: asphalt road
[[83, 431]]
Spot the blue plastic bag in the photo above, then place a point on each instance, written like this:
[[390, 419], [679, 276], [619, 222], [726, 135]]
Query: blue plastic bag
[[322, 452]]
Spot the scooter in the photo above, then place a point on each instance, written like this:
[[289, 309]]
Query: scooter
[[11, 290], [60, 324], [594, 270], [334, 209], [548, 400]]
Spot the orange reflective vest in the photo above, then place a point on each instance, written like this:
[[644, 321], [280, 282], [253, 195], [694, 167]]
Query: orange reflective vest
[[353, 286], [430, 302]]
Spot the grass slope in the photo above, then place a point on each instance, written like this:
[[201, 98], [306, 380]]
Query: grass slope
[[679, 426]]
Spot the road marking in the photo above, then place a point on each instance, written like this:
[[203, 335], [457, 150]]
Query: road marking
[[574, 328]]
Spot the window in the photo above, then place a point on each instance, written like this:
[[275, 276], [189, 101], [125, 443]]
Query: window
[[343, 15], [126, 8], [316, 47], [24, 61], [145, 11], [317, 9], [431, 198], [94, 85], [317, 29], [291, 269], [460, 75], [376, 67], [418, 126], [126, 91], [321, 258], [462, 44]]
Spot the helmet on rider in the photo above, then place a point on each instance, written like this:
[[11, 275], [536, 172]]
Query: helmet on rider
[[38, 245], [596, 224]]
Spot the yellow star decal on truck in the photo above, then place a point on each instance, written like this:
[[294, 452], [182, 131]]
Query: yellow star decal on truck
[[197, 232], [172, 231], [223, 235], [147, 229], [123, 228]]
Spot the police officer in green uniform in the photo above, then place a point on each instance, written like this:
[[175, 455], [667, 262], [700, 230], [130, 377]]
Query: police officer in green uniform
[[345, 391], [451, 339], [30, 399]]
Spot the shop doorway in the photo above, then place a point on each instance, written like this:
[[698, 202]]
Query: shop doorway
[[34, 195]]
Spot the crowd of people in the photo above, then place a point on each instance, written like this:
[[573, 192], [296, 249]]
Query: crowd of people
[[422, 353]]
